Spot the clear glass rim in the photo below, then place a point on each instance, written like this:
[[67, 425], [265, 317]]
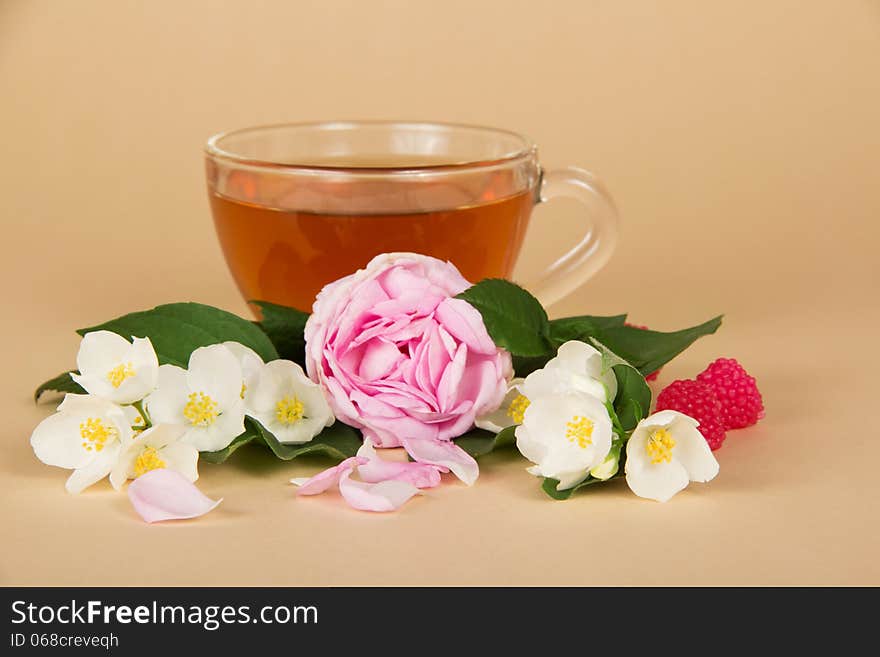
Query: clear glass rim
[[526, 151]]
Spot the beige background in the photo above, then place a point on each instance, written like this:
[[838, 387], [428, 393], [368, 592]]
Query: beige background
[[739, 139]]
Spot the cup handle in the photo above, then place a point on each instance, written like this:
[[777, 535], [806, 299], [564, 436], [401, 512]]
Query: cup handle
[[572, 269]]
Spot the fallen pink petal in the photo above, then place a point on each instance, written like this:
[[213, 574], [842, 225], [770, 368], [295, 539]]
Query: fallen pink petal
[[377, 497], [326, 478], [164, 494], [446, 454], [377, 469]]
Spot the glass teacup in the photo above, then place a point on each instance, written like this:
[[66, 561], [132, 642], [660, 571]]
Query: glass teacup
[[297, 206]]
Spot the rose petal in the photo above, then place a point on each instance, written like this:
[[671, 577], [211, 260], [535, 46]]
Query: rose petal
[[382, 326], [369, 293], [380, 436], [398, 281], [399, 387], [444, 453], [378, 359], [381, 497], [167, 495], [326, 478], [404, 402], [481, 385], [451, 379], [465, 322], [453, 428], [377, 469], [437, 357], [412, 330], [372, 406], [392, 427]]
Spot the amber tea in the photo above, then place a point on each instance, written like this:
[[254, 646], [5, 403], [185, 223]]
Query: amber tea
[[297, 206], [286, 255]]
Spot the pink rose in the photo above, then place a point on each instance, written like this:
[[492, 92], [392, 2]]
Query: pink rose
[[402, 359]]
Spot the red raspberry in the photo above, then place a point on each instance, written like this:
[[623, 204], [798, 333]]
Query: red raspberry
[[653, 375], [698, 401], [741, 403]]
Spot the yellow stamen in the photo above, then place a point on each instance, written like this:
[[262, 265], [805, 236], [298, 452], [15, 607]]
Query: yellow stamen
[[660, 446], [289, 410], [200, 410], [517, 409], [580, 431], [120, 373], [147, 460], [243, 389], [96, 434]]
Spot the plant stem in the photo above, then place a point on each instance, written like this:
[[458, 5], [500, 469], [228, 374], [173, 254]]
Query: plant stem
[[139, 405]]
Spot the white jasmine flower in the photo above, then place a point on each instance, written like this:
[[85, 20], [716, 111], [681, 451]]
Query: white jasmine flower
[[288, 403], [205, 398], [577, 367], [250, 363], [565, 436], [157, 447], [85, 435], [114, 368], [509, 413], [664, 453]]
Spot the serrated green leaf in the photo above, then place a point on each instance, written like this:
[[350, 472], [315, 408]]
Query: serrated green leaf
[[561, 330], [250, 433], [649, 350], [479, 442], [633, 400], [61, 383], [338, 441], [178, 329], [284, 326], [515, 319], [582, 327]]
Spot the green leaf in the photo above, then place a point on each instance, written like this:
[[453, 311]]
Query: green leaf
[[479, 442], [338, 441], [582, 327], [633, 400], [178, 329], [615, 421], [250, 433], [647, 350], [284, 326], [515, 319], [525, 365], [562, 330], [61, 383], [549, 485], [650, 350]]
